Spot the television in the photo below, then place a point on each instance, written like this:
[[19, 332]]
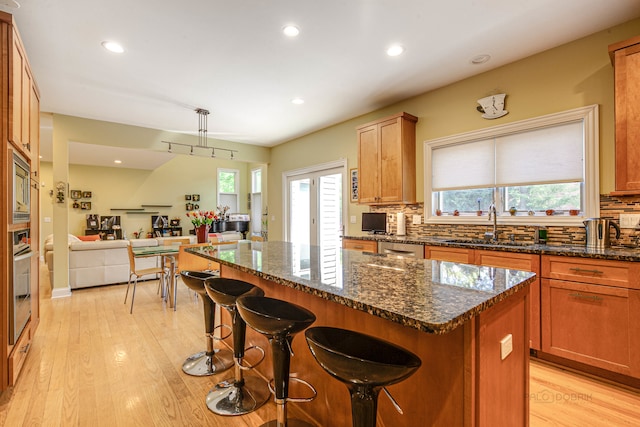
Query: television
[[159, 221], [374, 222]]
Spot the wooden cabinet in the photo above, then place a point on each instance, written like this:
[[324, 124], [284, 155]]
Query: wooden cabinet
[[512, 260], [20, 133], [387, 160], [444, 253], [625, 57], [526, 262], [360, 245], [591, 313]]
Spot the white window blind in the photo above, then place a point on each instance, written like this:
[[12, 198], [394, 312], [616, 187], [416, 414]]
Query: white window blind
[[542, 156], [552, 154], [467, 165]]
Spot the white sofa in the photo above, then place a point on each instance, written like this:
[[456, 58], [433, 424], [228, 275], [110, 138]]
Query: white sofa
[[101, 262]]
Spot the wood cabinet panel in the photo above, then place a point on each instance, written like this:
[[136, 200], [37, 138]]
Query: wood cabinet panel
[[360, 245], [387, 160], [626, 60], [526, 262], [19, 354], [586, 270], [592, 324], [443, 253]]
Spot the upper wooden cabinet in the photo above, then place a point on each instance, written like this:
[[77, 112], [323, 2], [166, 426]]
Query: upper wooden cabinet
[[625, 57], [24, 102], [387, 160]]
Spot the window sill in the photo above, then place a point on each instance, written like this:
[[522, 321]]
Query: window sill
[[553, 220]]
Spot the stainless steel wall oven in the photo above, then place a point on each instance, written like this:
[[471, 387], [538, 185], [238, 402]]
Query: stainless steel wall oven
[[20, 289]]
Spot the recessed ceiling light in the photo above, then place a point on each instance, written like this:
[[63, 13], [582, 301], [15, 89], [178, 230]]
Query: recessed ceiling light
[[480, 59], [395, 50], [297, 101], [113, 46], [117, 162], [291, 31]]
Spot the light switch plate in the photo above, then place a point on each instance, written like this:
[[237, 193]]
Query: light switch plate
[[353, 219], [506, 346], [629, 220], [417, 219]]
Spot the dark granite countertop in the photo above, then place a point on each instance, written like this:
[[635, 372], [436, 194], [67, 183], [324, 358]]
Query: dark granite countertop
[[431, 296], [614, 253]]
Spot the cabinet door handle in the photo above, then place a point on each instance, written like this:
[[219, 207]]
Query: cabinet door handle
[[586, 297], [358, 247], [583, 270], [25, 348]]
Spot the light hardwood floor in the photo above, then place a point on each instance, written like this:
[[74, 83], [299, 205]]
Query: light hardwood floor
[[94, 364]]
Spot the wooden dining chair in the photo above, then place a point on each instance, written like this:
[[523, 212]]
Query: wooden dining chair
[[136, 273]]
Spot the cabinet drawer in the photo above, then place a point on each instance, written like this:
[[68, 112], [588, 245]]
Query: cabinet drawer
[[442, 253], [515, 261], [360, 245], [600, 272], [19, 354], [592, 324]]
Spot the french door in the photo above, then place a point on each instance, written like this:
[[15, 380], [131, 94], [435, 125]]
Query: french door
[[315, 206]]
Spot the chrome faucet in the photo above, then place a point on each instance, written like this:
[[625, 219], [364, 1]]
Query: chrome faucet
[[493, 236]]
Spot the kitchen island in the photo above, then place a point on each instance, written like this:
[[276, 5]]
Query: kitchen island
[[453, 316]]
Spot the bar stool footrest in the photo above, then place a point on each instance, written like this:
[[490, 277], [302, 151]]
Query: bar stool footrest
[[295, 399]]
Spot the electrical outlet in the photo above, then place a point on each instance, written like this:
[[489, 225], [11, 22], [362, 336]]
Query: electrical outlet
[[629, 220], [506, 346], [417, 219], [353, 219]]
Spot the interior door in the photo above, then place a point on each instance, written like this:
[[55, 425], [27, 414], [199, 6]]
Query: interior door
[[315, 211]]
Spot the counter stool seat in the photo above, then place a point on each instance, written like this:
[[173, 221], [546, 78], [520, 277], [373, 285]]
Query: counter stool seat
[[210, 361], [279, 321], [240, 394], [364, 363]]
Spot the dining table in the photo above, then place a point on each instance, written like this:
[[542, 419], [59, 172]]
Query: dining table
[[166, 253]]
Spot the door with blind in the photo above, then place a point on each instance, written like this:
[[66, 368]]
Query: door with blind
[[315, 207]]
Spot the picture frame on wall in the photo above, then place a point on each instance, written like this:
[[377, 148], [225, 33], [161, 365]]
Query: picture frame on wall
[[187, 196], [189, 206], [86, 194], [353, 173], [76, 194], [195, 197], [85, 206]]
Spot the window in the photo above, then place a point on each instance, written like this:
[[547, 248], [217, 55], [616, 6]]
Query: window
[[256, 201], [228, 189], [547, 165]]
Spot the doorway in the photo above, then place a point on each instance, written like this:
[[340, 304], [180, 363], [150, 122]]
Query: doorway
[[314, 205]]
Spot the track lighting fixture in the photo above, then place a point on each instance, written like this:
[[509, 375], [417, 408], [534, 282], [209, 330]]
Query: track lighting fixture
[[202, 137]]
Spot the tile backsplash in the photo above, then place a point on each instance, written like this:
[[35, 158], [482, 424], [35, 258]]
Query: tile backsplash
[[610, 208]]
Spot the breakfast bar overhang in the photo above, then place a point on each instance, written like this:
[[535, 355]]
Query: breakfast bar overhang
[[467, 323]]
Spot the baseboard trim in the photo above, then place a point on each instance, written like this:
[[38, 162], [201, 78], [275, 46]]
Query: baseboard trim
[[60, 292]]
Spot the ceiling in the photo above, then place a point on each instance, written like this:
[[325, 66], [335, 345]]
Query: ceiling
[[231, 57]]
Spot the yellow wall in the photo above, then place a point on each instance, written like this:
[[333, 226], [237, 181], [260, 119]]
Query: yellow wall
[[570, 76], [129, 188]]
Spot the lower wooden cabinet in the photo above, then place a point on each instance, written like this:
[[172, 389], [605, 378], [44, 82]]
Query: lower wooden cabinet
[[360, 245], [598, 325], [19, 354], [512, 260]]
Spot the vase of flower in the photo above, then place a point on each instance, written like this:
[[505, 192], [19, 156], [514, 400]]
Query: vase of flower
[[201, 233], [201, 221]]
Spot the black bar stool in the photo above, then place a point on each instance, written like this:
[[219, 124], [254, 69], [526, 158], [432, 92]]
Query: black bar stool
[[364, 363], [210, 361], [240, 394], [279, 321]]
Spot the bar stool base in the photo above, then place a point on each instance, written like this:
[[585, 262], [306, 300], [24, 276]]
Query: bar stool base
[[227, 398], [202, 365]]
